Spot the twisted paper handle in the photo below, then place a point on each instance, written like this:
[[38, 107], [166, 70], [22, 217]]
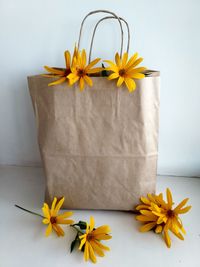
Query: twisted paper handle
[[102, 11], [94, 32]]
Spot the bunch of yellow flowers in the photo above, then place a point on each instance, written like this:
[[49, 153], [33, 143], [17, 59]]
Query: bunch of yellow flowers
[[155, 214], [159, 215], [124, 69]]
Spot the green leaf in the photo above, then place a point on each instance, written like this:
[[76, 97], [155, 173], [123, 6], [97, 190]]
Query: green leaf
[[104, 73], [73, 244], [81, 224]]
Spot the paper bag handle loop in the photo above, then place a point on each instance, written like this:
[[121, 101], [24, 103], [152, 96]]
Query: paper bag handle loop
[[101, 11], [94, 32]]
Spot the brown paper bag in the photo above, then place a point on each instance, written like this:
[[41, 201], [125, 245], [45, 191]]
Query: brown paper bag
[[98, 147]]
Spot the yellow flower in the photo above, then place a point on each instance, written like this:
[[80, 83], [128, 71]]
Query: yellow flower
[[125, 70], [53, 219], [81, 71], [61, 73], [91, 240], [170, 217], [158, 214]]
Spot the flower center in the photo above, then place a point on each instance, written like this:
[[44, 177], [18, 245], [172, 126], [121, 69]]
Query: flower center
[[170, 213], [53, 220], [122, 72], [89, 237], [81, 72]]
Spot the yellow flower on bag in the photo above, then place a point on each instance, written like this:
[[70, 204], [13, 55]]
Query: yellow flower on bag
[[61, 73], [91, 240], [53, 219], [80, 71], [125, 70], [158, 215]]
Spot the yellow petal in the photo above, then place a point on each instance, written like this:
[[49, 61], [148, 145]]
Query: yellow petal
[[137, 62], [82, 242], [64, 215], [48, 230], [59, 205], [86, 252], [148, 213], [92, 223], [51, 75], [131, 85], [91, 253], [145, 200], [113, 76], [46, 211], [167, 239], [160, 220], [120, 81], [147, 227], [112, 67], [64, 221], [63, 79], [158, 229], [88, 80], [117, 60], [45, 221], [103, 236], [53, 206], [131, 61], [124, 60], [132, 71], [181, 204], [73, 78], [83, 58], [184, 210], [55, 70], [94, 70], [138, 76], [100, 245], [81, 83], [169, 198], [92, 63], [97, 249], [67, 59], [177, 234], [59, 231], [141, 207], [104, 229], [143, 218]]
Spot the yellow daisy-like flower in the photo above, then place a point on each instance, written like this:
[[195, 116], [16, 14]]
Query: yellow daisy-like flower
[[158, 214], [91, 240], [53, 219], [170, 217], [80, 71], [125, 70], [61, 73]]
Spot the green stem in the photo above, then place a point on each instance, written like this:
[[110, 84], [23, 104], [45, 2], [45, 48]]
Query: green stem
[[29, 211], [78, 230]]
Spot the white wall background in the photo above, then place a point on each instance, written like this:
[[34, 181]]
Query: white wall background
[[165, 33]]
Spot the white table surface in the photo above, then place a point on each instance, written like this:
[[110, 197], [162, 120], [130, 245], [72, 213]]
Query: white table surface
[[22, 240]]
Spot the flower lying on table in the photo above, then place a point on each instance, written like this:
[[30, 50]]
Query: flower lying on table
[[125, 70], [51, 216], [53, 219], [158, 215], [89, 239]]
